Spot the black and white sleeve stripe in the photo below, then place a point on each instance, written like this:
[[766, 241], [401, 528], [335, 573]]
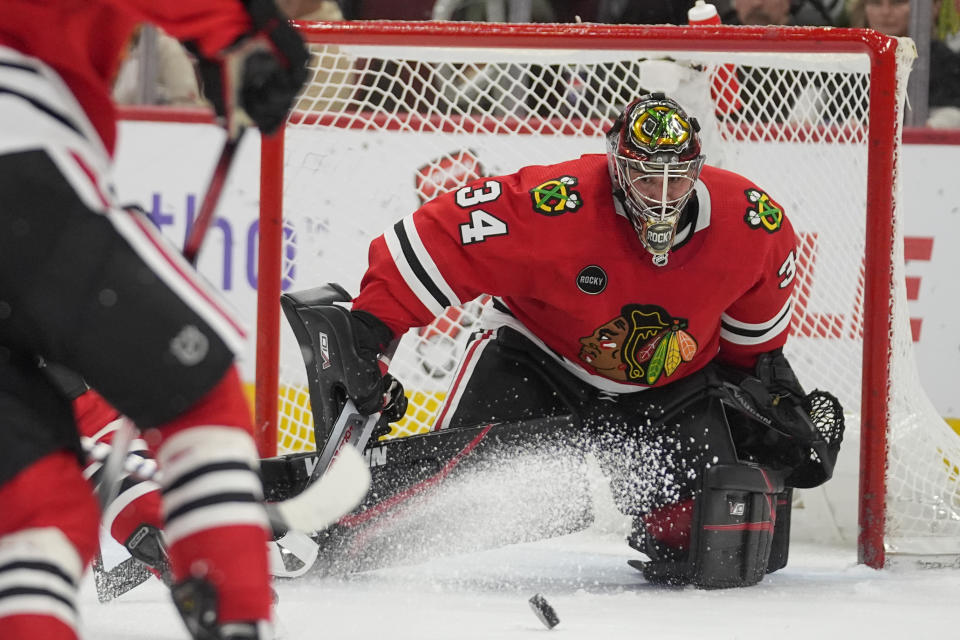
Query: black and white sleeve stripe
[[748, 333], [418, 269], [44, 106], [47, 116]]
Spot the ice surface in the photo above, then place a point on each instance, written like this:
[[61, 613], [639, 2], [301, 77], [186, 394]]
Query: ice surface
[[822, 594]]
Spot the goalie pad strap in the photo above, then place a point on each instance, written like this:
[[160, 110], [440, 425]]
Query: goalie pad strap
[[780, 545]]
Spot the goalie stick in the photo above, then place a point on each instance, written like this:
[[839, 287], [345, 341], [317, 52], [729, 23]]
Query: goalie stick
[[351, 428]]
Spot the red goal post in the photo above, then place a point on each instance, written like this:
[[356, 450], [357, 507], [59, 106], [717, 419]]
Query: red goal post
[[479, 97]]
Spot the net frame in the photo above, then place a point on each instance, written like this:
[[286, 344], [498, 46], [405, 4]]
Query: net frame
[[882, 141]]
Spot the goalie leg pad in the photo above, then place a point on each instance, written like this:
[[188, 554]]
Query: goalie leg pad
[[733, 526], [724, 540]]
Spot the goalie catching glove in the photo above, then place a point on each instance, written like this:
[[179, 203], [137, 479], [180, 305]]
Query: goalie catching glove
[[257, 77], [805, 430]]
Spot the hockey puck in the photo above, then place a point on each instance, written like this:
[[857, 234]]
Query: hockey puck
[[544, 611]]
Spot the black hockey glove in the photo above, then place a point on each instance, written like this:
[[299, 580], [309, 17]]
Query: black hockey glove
[[777, 394], [805, 429], [373, 339], [256, 79]]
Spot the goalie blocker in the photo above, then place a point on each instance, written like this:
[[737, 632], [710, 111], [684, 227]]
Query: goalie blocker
[[723, 522]]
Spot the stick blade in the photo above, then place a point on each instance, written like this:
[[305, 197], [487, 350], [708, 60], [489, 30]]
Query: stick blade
[[336, 493]]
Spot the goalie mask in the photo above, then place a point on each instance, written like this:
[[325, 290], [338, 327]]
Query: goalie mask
[[654, 157]]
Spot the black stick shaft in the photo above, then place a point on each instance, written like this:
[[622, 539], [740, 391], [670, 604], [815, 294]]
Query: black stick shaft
[[211, 198]]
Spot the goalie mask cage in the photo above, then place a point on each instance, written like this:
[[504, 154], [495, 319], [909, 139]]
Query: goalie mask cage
[[395, 113]]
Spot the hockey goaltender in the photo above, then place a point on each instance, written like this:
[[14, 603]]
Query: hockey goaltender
[[641, 301]]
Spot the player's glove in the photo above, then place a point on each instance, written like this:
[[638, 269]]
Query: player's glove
[[373, 338], [805, 429], [776, 393], [256, 79]]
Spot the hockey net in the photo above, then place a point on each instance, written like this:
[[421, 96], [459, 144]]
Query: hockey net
[[812, 116]]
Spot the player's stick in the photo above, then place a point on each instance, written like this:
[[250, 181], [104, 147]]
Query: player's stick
[[191, 248], [114, 460], [320, 505], [335, 493], [116, 581], [130, 573]]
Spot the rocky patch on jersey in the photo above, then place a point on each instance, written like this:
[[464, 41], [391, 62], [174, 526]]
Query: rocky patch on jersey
[[592, 280], [640, 345], [555, 197], [763, 213]]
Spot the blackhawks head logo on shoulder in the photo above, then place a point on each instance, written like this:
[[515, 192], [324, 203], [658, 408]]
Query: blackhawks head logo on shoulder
[[763, 213], [556, 196], [640, 345]]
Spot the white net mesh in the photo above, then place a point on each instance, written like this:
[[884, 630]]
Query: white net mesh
[[380, 129]]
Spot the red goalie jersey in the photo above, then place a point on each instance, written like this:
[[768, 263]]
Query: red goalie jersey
[[566, 267]]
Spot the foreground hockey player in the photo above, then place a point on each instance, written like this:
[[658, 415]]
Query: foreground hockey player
[[91, 286], [641, 293]]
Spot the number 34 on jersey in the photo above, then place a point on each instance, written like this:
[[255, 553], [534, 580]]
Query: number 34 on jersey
[[482, 225]]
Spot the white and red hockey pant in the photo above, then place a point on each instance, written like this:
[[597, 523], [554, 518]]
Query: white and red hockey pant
[[106, 297], [88, 284]]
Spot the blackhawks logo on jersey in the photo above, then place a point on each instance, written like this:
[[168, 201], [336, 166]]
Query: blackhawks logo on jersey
[[640, 345], [763, 213], [556, 196]]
